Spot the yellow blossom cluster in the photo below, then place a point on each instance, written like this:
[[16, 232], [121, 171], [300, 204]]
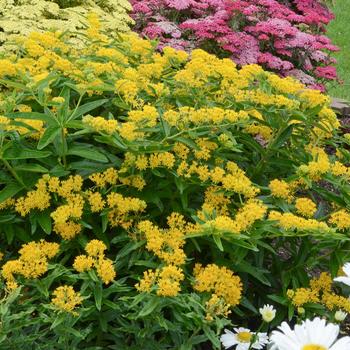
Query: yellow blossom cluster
[[101, 124], [35, 199], [281, 189], [319, 292], [219, 281], [249, 213], [122, 208], [187, 116], [96, 258], [107, 177], [305, 207], [166, 281], [167, 244], [238, 182], [289, 221], [318, 166], [341, 219], [66, 299], [32, 262]]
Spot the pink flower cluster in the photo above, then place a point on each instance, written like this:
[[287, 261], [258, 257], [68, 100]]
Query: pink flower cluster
[[285, 36]]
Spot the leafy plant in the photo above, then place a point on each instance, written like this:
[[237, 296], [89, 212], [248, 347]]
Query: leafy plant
[[150, 200]]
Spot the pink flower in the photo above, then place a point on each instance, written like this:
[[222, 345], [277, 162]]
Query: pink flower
[[278, 34]]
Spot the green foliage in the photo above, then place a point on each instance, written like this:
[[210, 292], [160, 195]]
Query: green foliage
[[152, 135]]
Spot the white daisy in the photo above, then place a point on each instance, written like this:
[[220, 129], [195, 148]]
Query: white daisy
[[345, 279], [268, 313], [242, 339], [310, 335]]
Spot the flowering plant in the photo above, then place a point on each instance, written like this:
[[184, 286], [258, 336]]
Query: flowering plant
[[151, 199], [286, 37]]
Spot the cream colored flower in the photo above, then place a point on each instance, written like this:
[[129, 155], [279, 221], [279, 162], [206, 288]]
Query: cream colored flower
[[268, 313], [340, 316]]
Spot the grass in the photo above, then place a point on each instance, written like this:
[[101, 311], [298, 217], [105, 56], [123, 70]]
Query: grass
[[339, 32]]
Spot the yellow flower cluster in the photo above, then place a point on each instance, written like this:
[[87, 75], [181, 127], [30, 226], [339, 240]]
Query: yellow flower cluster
[[238, 182], [305, 207], [219, 281], [167, 244], [66, 299], [36, 199], [166, 281], [281, 189], [289, 221], [32, 262], [318, 166], [65, 216], [121, 209], [319, 292], [341, 219], [187, 116], [100, 124], [96, 258], [251, 211], [108, 177]]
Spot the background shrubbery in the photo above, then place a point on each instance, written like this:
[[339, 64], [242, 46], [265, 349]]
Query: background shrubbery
[[286, 37], [151, 199], [23, 17]]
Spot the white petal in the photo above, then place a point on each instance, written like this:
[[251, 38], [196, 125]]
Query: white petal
[[345, 280], [243, 346], [228, 339], [346, 269], [286, 340], [342, 344]]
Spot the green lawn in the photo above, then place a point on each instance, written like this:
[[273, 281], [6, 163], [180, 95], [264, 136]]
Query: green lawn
[[339, 32]]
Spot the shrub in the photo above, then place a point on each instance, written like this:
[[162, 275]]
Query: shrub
[[283, 36], [23, 17], [149, 200]]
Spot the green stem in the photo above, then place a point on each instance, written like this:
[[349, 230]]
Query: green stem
[[254, 338], [13, 173], [63, 148]]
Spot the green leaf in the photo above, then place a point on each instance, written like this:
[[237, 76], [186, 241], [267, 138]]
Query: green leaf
[[149, 307], [283, 137], [85, 151], [17, 153], [87, 108], [44, 220], [217, 241], [10, 190], [31, 115], [98, 295], [48, 136], [34, 168]]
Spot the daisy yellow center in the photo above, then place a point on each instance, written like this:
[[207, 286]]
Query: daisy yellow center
[[313, 347], [244, 337]]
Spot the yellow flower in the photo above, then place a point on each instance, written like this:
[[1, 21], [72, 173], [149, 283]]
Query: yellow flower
[[105, 270], [280, 189], [305, 207], [83, 263], [33, 260], [66, 299], [95, 248], [220, 281], [341, 219]]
